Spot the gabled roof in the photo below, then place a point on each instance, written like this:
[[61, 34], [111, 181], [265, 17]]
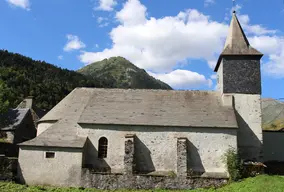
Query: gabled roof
[[61, 134], [27, 103], [13, 118], [144, 107], [237, 42]]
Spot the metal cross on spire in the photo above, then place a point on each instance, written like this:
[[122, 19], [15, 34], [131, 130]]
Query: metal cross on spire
[[234, 6]]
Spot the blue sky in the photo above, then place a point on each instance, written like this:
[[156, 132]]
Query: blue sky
[[177, 41]]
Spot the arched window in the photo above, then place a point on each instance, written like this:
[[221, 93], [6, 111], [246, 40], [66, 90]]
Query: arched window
[[102, 152]]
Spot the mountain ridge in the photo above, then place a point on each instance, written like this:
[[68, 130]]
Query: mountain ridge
[[48, 83], [123, 74]]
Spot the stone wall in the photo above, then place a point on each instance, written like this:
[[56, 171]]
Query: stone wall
[[182, 157], [129, 155], [8, 168], [241, 75], [156, 147], [130, 179], [122, 181]]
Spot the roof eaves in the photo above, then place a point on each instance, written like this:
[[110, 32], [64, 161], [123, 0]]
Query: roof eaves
[[153, 125], [258, 56]]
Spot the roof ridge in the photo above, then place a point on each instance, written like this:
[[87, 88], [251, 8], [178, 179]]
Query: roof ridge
[[145, 90]]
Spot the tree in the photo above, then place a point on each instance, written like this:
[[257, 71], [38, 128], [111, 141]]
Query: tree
[[4, 103]]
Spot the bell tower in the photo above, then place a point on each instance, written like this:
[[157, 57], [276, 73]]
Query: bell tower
[[238, 74]]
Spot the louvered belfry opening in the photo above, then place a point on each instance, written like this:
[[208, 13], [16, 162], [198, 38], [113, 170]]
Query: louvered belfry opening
[[102, 152]]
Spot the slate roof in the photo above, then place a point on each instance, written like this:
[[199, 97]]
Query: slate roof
[[144, 107], [61, 134], [13, 118], [237, 43]]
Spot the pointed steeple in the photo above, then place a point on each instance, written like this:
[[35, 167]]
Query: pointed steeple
[[237, 43]]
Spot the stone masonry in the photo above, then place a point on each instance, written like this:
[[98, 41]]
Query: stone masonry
[[182, 157], [130, 180], [120, 181], [129, 154], [247, 83]]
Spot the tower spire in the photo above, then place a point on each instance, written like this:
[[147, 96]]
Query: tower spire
[[237, 43]]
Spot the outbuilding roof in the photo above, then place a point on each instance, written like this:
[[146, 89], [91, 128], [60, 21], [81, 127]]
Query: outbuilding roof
[[13, 119], [61, 134]]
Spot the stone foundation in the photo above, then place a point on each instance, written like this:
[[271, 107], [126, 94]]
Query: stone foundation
[[122, 181]]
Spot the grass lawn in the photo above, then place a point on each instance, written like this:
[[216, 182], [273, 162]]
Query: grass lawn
[[262, 183]]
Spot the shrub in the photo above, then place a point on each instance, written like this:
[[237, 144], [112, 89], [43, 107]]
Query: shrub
[[234, 164]]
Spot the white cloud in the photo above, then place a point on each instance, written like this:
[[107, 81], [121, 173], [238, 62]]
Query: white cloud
[[229, 11], [73, 43], [60, 57], [208, 2], [253, 29], [183, 79], [133, 13], [161, 44], [273, 46], [102, 21], [24, 4], [212, 63], [267, 44], [158, 44], [244, 21], [214, 76], [106, 5], [275, 65], [104, 24]]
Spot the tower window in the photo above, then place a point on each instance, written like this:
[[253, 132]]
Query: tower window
[[102, 151]]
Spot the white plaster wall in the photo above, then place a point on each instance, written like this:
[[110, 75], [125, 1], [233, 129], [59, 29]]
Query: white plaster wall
[[42, 127], [159, 146], [273, 143], [248, 112], [63, 170]]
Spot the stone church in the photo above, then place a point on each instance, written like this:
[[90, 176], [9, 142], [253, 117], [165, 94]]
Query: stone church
[[152, 132]]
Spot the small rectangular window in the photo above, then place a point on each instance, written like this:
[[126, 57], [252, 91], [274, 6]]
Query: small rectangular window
[[49, 155]]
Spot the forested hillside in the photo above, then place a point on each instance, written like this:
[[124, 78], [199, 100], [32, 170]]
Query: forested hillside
[[49, 84], [121, 73]]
